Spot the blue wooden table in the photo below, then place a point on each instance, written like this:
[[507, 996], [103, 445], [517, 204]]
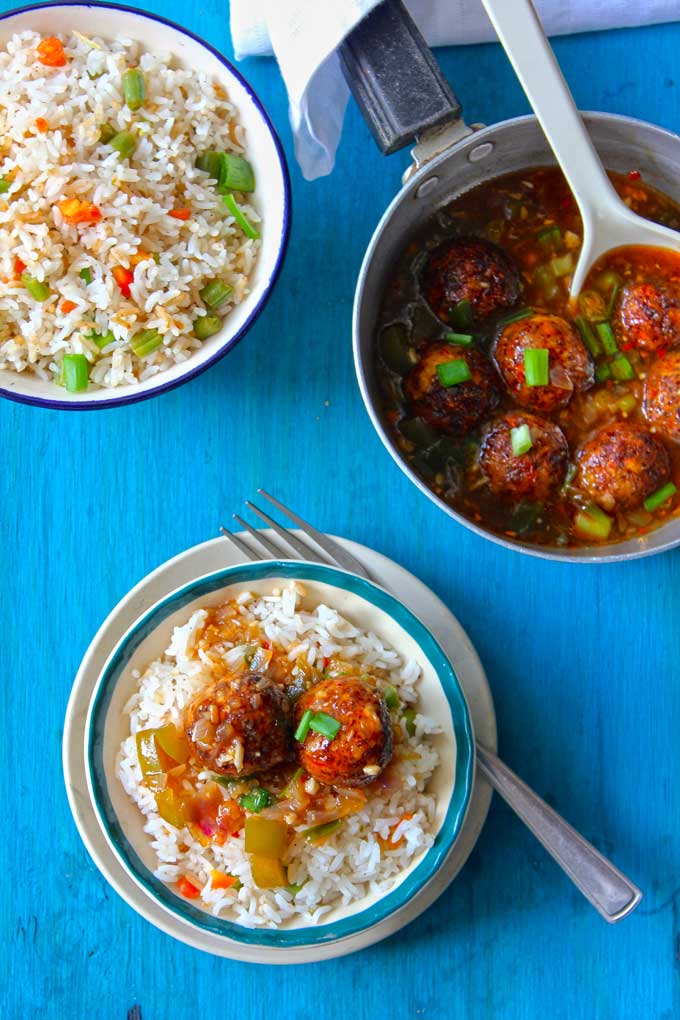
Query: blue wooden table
[[582, 660]]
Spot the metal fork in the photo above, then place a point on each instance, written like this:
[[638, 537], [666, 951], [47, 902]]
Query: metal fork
[[606, 888]]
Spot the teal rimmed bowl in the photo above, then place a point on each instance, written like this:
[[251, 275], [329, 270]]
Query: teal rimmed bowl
[[441, 697]]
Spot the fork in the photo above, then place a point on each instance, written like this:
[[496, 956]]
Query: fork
[[612, 894]]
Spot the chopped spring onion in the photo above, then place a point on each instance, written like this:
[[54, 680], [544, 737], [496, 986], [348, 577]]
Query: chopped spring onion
[[86, 275], [409, 718], [460, 339], [622, 368], [206, 326], [210, 163], [588, 335], [303, 726], [4, 185], [146, 342], [608, 281], [417, 431], [627, 403], [521, 313], [134, 88], [520, 438], [536, 366], [74, 372], [545, 279], [215, 293], [612, 299], [654, 501], [102, 340], [236, 173], [36, 288], [562, 265], [324, 724], [593, 523], [241, 219], [255, 800], [550, 237], [319, 832], [461, 314], [106, 133], [606, 335], [391, 697], [452, 373], [603, 372], [124, 143]]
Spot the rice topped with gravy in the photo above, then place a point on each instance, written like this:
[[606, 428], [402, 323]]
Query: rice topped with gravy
[[387, 830], [101, 251]]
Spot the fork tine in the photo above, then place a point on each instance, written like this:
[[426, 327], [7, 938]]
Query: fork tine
[[259, 537], [339, 555], [300, 547], [241, 545]]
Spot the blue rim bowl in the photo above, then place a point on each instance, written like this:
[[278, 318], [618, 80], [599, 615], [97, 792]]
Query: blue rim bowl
[[347, 585], [105, 19]]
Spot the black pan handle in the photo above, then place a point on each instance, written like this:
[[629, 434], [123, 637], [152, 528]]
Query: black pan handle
[[396, 81]]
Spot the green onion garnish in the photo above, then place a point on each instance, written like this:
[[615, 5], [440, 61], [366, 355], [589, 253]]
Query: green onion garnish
[[461, 314], [593, 523], [391, 697], [106, 133], [206, 326], [452, 373], [86, 275], [134, 88], [146, 342], [562, 264], [4, 185], [124, 143], [460, 339], [102, 340], [521, 313], [324, 724], [622, 368], [603, 372], [545, 279], [536, 366], [318, 832], [243, 222], [549, 237], [606, 335], [303, 726], [256, 800], [588, 334], [409, 718], [210, 163], [236, 173], [520, 437], [36, 288], [654, 501], [74, 372], [215, 293], [612, 299]]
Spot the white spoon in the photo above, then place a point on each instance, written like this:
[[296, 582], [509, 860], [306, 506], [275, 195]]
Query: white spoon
[[607, 221]]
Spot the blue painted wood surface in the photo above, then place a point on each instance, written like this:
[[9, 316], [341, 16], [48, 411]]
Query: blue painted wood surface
[[582, 660]]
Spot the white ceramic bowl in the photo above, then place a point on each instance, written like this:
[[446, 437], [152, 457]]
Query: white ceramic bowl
[[369, 607], [272, 197]]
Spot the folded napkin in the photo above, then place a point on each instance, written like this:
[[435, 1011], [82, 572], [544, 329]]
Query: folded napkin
[[304, 35]]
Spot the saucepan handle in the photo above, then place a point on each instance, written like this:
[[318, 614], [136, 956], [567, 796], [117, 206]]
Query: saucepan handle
[[394, 78]]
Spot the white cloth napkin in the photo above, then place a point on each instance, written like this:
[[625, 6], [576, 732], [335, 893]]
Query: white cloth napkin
[[303, 35]]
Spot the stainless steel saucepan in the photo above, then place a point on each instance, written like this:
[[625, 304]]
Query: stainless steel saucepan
[[404, 98]]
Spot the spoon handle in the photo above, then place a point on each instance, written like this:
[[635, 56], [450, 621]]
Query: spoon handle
[[609, 891], [520, 31]]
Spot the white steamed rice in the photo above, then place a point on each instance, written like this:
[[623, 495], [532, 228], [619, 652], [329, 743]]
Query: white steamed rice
[[186, 113], [350, 864]]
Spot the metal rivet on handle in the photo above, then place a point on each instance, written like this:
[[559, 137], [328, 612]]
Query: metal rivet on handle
[[427, 186], [480, 151]]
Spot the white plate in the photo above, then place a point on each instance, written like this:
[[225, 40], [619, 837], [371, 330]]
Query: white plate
[[202, 559]]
